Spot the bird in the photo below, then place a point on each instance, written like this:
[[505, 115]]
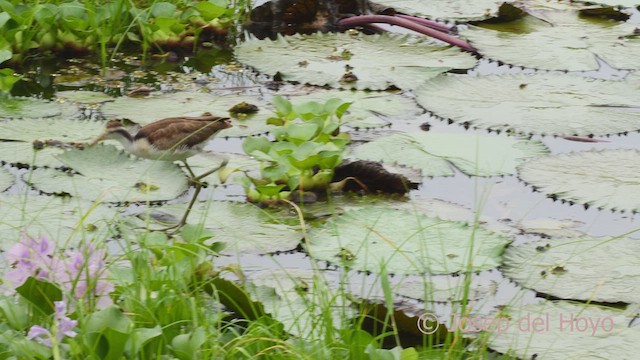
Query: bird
[[170, 139]]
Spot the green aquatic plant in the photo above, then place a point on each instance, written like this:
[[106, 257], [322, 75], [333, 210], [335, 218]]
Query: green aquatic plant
[[308, 146]]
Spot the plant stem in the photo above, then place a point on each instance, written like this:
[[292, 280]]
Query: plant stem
[[428, 23]]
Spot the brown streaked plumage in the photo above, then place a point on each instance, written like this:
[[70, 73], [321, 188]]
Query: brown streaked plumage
[[170, 139]]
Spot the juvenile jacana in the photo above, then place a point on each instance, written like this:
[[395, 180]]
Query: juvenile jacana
[[170, 139]]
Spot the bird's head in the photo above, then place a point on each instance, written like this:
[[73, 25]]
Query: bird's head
[[113, 131]]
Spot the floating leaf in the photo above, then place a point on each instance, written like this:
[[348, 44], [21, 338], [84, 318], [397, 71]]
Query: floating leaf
[[460, 10], [561, 330], [243, 228], [237, 166], [552, 104], [149, 109], [84, 97], [378, 61], [23, 153], [64, 130], [6, 179], [561, 40], [604, 179], [438, 154], [33, 108], [368, 109], [404, 242], [551, 227], [61, 220], [447, 288], [109, 175], [557, 267]]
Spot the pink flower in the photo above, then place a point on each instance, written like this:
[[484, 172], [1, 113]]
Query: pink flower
[[29, 258], [64, 327]]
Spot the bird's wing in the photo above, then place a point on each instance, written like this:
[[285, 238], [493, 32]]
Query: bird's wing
[[172, 133]]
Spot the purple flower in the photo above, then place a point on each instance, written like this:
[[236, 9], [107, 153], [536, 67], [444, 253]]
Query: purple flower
[[39, 334], [29, 258], [64, 326], [83, 274]]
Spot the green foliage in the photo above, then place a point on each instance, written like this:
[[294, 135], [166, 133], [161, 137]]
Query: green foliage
[[308, 146]]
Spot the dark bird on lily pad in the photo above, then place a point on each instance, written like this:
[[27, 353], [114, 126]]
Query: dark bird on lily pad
[[170, 139]]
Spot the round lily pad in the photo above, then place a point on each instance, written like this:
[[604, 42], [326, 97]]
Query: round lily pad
[[439, 154], [23, 153], [551, 104], [149, 109], [561, 40], [33, 108], [404, 243], [604, 179], [460, 10], [65, 221], [243, 228], [447, 288], [575, 268], [59, 129], [340, 60], [562, 330], [109, 175], [84, 97], [6, 179], [237, 166]]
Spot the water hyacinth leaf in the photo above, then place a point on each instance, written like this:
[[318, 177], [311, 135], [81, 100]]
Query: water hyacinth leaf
[[404, 242], [243, 228], [560, 40], [109, 175], [59, 129], [438, 154], [6, 179], [557, 267], [559, 330], [340, 60], [53, 217], [603, 179], [23, 153], [147, 110], [368, 109], [33, 108], [84, 97], [552, 104], [459, 10]]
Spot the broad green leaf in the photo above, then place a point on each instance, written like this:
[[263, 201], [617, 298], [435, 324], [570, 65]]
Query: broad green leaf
[[603, 179], [261, 143], [404, 243], [6, 179], [109, 175], [41, 294], [109, 331], [559, 330], [210, 11], [438, 154], [163, 9], [59, 129], [64, 221], [302, 132], [378, 61], [244, 228], [551, 104], [557, 267], [33, 108], [558, 40], [460, 10]]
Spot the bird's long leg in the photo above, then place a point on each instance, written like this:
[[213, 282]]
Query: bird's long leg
[[200, 177], [183, 221], [191, 174]]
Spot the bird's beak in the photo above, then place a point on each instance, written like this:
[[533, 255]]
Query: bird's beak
[[227, 123], [98, 139]]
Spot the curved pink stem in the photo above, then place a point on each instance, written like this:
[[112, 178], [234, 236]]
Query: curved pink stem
[[394, 20], [428, 23]]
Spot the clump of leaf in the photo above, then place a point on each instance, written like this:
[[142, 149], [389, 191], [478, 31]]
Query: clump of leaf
[[308, 146]]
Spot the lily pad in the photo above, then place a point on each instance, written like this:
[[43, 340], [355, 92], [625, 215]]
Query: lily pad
[[64, 221], [109, 175], [33, 108], [368, 109], [561, 330], [439, 154], [552, 104], [149, 109], [583, 268], [287, 295], [59, 129], [6, 179], [551, 227], [237, 166], [23, 153], [378, 61], [404, 242], [604, 179], [243, 228], [560, 41], [447, 288], [459, 10], [84, 97]]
